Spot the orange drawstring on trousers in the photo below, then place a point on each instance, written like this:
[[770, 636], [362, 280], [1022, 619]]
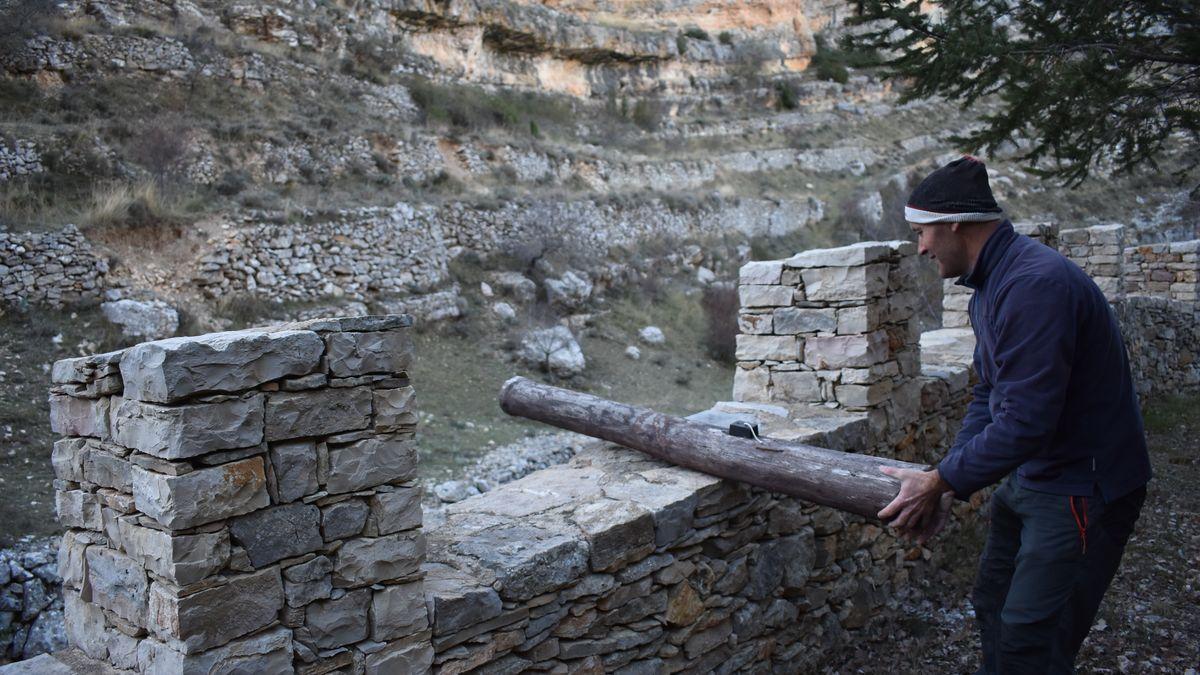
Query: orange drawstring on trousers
[[1081, 524]]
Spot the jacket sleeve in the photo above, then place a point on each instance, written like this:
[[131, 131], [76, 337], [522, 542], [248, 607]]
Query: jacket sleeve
[[1035, 323]]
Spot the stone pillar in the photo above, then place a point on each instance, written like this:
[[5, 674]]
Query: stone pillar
[[1098, 250], [1168, 270], [244, 500], [833, 327]]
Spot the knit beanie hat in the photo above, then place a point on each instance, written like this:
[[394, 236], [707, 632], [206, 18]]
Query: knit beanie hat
[[956, 193]]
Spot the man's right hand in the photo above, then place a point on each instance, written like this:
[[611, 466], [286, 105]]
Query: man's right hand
[[937, 520]]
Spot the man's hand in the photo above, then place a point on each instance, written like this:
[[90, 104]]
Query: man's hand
[[922, 507]]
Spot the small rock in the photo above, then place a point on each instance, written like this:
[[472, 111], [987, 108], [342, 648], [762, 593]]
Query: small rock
[[652, 335], [505, 312], [633, 352], [455, 491]]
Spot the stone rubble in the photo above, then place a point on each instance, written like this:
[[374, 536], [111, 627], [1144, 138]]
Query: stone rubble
[[31, 608]]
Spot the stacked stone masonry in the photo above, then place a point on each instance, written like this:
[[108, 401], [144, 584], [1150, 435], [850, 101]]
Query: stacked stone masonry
[[1153, 290], [19, 158], [1169, 270], [272, 470], [243, 501], [615, 562], [50, 268], [368, 252], [831, 326], [1098, 251]]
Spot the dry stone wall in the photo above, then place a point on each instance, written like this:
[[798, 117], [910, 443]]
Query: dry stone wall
[[31, 610], [366, 252], [50, 267], [1162, 338], [244, 501], [1098, 251], [1170, 270], [1153, 290], [615, 562], [19, 158]]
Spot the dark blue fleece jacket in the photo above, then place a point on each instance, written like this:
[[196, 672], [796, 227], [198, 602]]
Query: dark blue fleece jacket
[[1055, 398]]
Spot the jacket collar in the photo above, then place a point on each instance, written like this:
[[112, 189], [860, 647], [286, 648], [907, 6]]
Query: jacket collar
[[993, 250]]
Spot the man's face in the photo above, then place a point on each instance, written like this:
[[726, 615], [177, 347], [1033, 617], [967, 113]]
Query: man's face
[[942, 243]]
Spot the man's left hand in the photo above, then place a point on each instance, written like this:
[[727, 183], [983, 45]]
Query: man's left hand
[[921, 508]]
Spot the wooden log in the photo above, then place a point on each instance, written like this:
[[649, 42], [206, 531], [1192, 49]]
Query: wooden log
[[843, 480]]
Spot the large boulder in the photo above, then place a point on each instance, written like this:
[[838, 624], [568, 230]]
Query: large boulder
[[150, 320], [553, 350]]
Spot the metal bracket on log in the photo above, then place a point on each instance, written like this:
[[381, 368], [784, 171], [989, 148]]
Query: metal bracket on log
[[842, 480]]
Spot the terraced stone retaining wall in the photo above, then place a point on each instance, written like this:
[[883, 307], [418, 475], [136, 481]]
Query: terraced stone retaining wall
[[362, 253], [244, 501], [50, 268]]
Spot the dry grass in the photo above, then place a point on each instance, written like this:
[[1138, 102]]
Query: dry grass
[[139, 204]]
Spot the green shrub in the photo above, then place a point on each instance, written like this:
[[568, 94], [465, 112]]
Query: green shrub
[[832, 63], [697, 34], [725, 38], [647, 114], [681, 44], [786, 96], [471, 108]]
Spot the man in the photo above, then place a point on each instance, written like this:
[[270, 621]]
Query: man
[[1054, 411]]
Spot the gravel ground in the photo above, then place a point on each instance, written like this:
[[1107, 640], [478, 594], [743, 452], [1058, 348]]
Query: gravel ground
[[1150, 619]]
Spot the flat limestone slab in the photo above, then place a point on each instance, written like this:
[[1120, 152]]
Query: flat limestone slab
[[67, 662], [165, 371]]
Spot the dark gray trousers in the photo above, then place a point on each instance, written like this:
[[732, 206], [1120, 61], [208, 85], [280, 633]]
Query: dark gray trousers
[[1047, 563]]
